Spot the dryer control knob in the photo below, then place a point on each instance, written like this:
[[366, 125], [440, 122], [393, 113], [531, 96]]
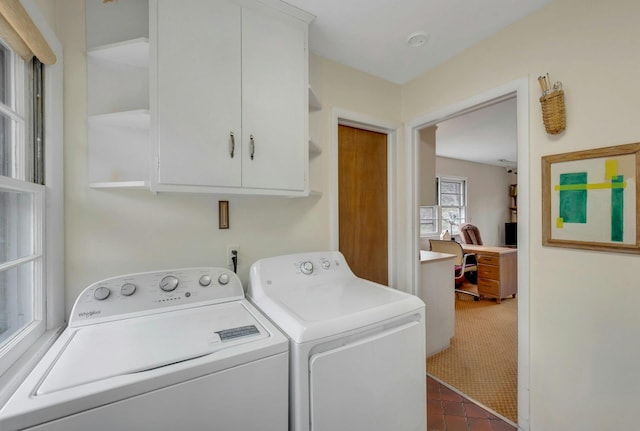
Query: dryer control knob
[[205, 280], [223, 279], [306, 267], [169, 283], [101, 293], [326, 264], [128, 289]]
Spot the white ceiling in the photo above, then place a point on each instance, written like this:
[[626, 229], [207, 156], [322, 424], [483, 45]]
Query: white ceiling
[[371, 35], [488, 135]]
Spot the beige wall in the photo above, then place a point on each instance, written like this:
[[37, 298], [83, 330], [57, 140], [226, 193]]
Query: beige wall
[[487, 195], [583, 305], [47, 8]]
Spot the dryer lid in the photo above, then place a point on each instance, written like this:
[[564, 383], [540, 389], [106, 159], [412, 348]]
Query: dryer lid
[[106, 350], [311, 312], [321, 303]]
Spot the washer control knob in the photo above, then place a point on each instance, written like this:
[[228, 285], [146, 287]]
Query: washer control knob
[[128, 289], [306, 267], [101, 293], [205, 280], [169, 283], [223, 279], [326, 264]]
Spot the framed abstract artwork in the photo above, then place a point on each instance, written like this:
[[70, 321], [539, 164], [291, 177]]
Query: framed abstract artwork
[[590, 199]]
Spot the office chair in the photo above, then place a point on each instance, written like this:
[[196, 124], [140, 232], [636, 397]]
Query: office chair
[[470, 234], [465, 264]]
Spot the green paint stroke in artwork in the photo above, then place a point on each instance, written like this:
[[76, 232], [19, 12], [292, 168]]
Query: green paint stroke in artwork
[[617, 209], [573, 203]]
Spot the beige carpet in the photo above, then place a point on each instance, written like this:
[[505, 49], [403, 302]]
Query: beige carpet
[[482, 360]]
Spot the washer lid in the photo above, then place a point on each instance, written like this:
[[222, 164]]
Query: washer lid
[[311, 312], [101, 351]]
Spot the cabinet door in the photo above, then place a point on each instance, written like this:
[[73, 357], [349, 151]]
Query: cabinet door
[[274, 101], [199, 92]]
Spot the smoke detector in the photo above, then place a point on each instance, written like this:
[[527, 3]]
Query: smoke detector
[[417, 39]]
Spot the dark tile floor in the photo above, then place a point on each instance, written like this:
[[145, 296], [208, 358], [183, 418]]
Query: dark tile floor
[[449, 411]]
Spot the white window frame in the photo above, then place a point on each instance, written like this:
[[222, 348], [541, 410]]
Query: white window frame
[[16, 112], [28, 335], [27, 348], [435, 219], [444, 223]]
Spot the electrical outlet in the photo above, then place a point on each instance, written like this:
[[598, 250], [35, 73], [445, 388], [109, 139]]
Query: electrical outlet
[[230, 248]]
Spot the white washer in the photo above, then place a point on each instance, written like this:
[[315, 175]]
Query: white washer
[[357, 348], [170, 350]]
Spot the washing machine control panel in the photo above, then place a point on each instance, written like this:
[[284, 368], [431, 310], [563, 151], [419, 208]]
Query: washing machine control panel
[[153, 292]]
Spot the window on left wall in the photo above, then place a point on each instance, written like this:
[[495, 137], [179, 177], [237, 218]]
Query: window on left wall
[[22, 205]]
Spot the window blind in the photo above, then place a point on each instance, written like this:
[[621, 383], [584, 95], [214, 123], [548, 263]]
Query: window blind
[[18, 30]]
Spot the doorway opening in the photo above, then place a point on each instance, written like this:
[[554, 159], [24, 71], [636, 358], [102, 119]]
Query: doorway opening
[[519, 90]]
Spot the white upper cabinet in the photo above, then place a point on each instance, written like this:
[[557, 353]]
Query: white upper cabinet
[[229, 88], [199, 93], [274, 94]]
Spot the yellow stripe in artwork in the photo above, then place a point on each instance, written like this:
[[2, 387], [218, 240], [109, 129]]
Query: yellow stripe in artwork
[[559, 222], [610, 169], [594, 186]]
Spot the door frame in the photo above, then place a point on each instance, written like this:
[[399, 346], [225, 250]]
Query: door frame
[[343, 117], [519, 88]]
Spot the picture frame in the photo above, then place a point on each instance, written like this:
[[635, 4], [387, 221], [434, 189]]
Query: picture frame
[[590, 199]]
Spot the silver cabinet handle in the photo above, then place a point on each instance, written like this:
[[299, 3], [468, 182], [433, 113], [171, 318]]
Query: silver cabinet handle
[[252, 146], [232, 148]]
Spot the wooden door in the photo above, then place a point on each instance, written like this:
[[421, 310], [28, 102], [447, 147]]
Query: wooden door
[[362, 202]]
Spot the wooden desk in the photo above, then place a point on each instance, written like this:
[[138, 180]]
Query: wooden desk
[[497, 270]]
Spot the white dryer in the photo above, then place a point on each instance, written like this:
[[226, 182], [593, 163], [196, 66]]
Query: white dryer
[[163, 351], [357, 348]]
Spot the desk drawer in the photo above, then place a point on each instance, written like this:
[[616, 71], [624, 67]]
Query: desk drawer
[[488, 260], [489, 287], [489, 271]]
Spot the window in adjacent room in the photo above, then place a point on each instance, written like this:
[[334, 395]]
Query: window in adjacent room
[[428, 220], [452, 201]]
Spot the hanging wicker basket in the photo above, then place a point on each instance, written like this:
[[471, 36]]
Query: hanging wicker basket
[[553, 113]]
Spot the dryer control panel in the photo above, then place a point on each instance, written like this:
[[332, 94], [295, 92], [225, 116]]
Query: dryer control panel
[[154, 292], [299, 270]]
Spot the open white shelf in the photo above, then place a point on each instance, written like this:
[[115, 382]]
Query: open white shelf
[[118, 118], [118, 150], [314, 102], [133, 52], [120, 184], [137, 119], [314, 149]]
